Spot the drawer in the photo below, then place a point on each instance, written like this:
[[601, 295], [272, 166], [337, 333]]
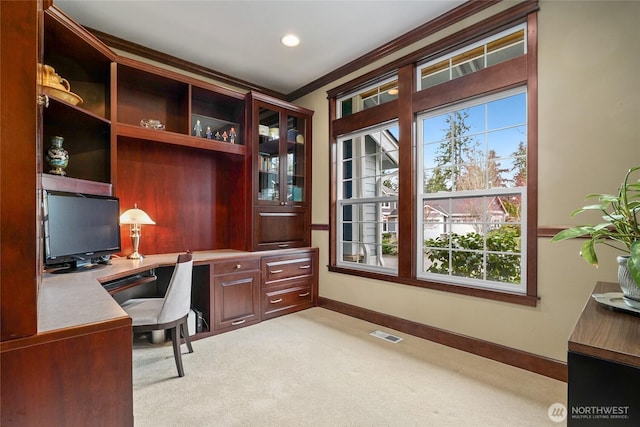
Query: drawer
[[236, 266], [277, 302], [279, 268]]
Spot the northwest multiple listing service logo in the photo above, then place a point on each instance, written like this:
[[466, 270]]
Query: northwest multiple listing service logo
[[559, 413]]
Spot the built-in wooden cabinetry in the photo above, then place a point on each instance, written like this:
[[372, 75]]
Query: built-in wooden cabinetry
[[86, 128], [289, 282], [204, 190], [281, 186], [236, 286], [182, 179]]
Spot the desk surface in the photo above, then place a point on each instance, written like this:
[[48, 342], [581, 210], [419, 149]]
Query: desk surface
[[607, 334], [73, 299]]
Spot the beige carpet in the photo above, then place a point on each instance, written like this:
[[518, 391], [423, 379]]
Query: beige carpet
[[321, 368]]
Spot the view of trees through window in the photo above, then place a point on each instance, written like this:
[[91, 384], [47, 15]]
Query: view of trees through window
[[474, 176], [437, 186]]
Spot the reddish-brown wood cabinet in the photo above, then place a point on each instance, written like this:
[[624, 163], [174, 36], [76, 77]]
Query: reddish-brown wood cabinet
[[236, 285], [50, 374], [198, 177], [281, 163], [289, 282]]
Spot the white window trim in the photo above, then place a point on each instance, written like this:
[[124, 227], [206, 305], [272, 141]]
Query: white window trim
[[341, 202], [520, 289]]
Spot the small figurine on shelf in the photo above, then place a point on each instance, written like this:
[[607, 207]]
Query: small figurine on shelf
[[225, 136], [217, 136], [232, 135], [209, 132], [198, 129]]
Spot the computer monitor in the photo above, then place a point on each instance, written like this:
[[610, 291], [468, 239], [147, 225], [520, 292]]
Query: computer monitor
[[80, 230]]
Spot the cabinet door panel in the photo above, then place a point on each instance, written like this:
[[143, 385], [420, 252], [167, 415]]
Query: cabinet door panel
[[281, 229], [237, 299]]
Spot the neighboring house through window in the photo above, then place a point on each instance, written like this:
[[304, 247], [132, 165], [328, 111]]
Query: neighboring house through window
[[433, 187]]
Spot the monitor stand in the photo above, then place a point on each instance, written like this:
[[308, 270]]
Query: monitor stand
[[77, 267]]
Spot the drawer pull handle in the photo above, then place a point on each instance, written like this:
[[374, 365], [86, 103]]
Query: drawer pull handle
[[283, 245], [276, 271], [275, 301], [304, 267], [238, 266], [238, 322], [304, 295]]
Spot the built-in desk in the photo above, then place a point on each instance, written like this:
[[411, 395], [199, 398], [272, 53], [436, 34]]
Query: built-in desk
[[77, 370], [604, 366], [74, 299]]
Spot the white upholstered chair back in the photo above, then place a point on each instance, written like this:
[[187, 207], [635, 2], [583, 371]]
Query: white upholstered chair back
[[177, 300]]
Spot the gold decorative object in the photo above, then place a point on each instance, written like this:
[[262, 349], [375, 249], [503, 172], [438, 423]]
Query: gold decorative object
[[56, 86], [135, 217]]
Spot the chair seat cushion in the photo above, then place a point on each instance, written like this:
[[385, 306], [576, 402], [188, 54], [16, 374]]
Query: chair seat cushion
[[143, 311]]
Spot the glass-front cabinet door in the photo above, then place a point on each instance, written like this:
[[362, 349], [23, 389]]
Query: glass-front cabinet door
[[281, 157], [295, 147], [268, 154]]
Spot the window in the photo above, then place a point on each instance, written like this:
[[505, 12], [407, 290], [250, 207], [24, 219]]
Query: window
[[491, 51], [473, 159], [366, 201], [438, 189], [368, 97]]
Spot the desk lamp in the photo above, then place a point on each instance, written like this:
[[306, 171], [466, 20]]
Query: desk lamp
[[135, 217]]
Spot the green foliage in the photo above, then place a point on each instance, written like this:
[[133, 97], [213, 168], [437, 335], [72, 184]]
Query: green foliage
[[389, 244], [620, 228], [467, 255]]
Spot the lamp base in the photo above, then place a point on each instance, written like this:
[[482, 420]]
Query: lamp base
[[135, 255]]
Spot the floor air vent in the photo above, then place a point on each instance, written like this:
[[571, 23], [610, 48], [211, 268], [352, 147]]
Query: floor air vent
[[385, 336]]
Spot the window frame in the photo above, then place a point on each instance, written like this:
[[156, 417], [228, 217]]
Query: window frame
[[341, 201], [514, 72], [501, 191]]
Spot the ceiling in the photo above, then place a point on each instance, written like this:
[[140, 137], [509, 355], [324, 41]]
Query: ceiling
[[242, 38]]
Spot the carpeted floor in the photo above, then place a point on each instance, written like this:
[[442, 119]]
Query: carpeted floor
[[321, 368]]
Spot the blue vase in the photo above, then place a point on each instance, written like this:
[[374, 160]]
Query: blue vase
[[57, 157]]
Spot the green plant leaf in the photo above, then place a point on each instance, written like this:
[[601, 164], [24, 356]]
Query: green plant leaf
[[634, 262], [635, 273], [573, 232], [588, 252]]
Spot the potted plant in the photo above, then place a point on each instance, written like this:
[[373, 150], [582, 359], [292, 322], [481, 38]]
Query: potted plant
[[620, 229]]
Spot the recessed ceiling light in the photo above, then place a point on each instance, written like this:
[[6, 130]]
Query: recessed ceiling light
[[290, 40]]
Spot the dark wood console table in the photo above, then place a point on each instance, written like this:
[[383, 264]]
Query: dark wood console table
[[604, 365]]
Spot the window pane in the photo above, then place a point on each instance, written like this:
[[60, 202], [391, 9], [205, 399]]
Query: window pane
[[369, 234], [468, 62], [505, 48], [476, 238], [368, 97], [505, 142], [369, 199], [474, 148], [496, 49], [505, 112]]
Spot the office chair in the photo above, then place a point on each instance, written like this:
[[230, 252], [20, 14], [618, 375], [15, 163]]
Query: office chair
[[169, 312]]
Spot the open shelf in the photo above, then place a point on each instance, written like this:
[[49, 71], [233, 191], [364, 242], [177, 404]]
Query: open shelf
[[166, 137]]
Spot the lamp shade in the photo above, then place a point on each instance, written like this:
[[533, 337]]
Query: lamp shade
[[135, 216]]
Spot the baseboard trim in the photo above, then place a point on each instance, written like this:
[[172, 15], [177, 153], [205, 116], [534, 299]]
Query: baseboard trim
[[521, 359]]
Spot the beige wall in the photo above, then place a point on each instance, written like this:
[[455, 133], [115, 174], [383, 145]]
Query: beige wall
[[588, 113]]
